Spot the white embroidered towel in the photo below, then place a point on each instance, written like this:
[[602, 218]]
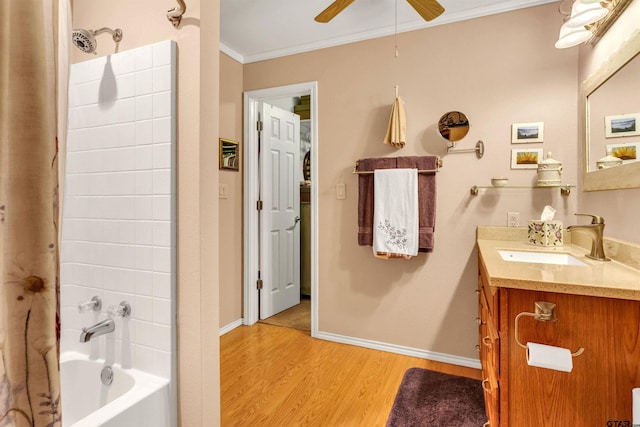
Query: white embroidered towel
[[395, 211]]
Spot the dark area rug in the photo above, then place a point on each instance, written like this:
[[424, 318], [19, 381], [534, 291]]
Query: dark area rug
[[428, 398]]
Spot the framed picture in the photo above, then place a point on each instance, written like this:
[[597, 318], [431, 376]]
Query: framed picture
[[229, 154], [628, 152], [524, 133], [525, 158], [623, 125]]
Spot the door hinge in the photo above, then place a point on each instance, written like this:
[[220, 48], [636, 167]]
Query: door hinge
[[259, 284], [259, 205], [259, 125]]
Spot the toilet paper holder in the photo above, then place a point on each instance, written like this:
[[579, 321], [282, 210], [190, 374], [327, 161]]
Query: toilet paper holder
[[544, 312]]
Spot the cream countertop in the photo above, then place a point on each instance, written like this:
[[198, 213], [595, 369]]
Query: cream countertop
[[610, 279]]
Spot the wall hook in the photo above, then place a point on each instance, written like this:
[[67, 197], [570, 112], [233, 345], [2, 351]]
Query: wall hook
[[175, 15]]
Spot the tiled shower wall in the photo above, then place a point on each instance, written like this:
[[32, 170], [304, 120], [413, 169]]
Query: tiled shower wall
[[118, 231]]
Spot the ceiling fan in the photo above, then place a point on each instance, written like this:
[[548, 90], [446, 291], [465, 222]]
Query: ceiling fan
[[428, 9]]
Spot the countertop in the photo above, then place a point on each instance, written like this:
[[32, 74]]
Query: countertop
[[610, 279]]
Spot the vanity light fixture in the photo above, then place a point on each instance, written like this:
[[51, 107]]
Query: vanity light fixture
[[574, 30]]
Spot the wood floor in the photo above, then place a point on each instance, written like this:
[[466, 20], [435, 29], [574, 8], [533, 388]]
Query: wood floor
[[275, 376], [297, 317]]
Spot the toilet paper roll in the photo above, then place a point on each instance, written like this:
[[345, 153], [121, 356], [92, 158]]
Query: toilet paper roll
[[549, 357], [636, 406]]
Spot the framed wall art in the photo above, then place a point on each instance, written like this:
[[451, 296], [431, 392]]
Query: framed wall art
[[524, 133], [622, 125], [525, 158]]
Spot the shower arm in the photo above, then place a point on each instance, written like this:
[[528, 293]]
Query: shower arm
[[117, 34], [175, 15]]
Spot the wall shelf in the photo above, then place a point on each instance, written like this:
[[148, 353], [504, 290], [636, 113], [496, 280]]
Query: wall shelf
[[565, 189]]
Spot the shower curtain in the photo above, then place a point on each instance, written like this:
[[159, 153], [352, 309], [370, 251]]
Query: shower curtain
[[29, 267]]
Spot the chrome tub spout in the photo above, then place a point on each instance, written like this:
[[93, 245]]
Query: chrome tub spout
[[100, 328]]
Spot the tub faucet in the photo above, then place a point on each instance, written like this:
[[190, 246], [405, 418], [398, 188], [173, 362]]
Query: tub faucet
[[100, 328], [595, 230]]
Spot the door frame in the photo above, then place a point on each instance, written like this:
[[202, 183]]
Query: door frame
[[252, 99]]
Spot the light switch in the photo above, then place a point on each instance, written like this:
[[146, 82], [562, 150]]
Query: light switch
[[223, 191], [341, 191]]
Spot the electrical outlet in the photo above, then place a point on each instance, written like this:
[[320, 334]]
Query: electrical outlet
[[513, 219], [341, 191]]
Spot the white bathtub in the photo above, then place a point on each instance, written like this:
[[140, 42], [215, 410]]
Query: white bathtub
[[133, 399]]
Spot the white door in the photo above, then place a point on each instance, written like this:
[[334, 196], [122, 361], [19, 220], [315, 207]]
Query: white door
[[280, 215]]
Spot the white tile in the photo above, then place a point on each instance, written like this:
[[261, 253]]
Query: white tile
[[162, 53], [162, 79], [162, 131], [126, 110], [124, 62], [162, 182], [162, 312], [84, 94], [101, 137], [144, 183], [144, 258], [144, 333], [144, 233], [162, 259], [126, 134], [144, 283], [162, 363], [162, 104], [126, 85], [122, 232], [162, 155], [144, 132], [162, 235], [144, 107], [161, 337], [162, 285], [142, 357], [162, 208], [143, 208], [144, 82], [144, 157], [143, 58], [142, 308]]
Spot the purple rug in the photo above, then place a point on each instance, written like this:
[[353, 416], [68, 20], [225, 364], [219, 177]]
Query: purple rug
[[428, 398]]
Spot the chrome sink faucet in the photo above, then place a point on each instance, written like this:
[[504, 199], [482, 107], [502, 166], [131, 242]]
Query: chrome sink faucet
[[100, 328], [595, 230]]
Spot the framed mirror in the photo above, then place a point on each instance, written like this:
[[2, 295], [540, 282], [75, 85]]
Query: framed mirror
[[611, 119], [229, 154]]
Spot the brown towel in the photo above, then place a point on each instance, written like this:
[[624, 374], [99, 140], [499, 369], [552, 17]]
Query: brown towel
[[365, 196], [426, 197]]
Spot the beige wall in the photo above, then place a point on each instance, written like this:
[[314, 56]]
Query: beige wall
[[616, 206], [231, 207], [144, 22], [498, 70]]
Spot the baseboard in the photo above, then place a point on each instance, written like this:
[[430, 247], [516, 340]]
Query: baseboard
[[230, 327], [407, 351]]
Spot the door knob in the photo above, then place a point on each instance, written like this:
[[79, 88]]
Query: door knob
[[297, 220]]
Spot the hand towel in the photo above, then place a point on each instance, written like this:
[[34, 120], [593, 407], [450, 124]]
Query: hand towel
[[395, 212], [397, 130], [365, 195], [426, 197]]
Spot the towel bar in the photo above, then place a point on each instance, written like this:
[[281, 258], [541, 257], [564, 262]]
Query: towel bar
[[439, 165]]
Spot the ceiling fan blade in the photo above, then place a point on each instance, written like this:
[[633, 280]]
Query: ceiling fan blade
[[334, 8], [428, 9]]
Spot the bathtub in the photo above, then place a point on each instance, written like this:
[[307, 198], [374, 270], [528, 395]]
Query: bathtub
[[133, 399]]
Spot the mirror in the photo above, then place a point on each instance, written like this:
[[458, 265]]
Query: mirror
[[229, 155], [611, 116], [453, 126]]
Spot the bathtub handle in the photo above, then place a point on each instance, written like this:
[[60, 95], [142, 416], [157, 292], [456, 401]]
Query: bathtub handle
[[94, 304], [122, 310]]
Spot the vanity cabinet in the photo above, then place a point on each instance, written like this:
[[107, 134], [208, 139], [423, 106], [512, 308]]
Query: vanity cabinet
[[598, 390]]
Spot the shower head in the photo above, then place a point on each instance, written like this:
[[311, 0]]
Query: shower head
[[85, 40]]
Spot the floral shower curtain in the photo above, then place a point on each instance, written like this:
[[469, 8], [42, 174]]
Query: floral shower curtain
[[29, 267]]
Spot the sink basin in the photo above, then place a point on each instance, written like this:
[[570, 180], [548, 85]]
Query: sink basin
[[558, 258]]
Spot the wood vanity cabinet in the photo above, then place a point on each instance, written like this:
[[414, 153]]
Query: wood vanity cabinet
[[598, 390]]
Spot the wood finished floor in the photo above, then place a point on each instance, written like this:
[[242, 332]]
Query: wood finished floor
[[275, 376]]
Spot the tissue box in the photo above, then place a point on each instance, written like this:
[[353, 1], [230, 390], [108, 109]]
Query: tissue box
[[546, 233]]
